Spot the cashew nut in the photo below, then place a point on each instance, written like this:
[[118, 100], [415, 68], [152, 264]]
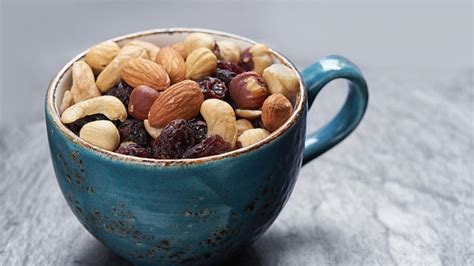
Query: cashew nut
[[66, 102], [252, 136], [150, 48], [83, 82], [243, 125], [107, 105], [152, 131], [220, 119], [248, 114], [101, 133]]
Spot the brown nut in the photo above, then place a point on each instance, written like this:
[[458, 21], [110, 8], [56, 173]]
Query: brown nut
[[243, 125], [220, 120], [83, 82], [179, 47], [248, 90], [141, 100], [281, 79], [248, 114], [252, 136], [275, 111], [101, 133], [112, 73], [228, 51], [101, 54], [151, 49], [200, 63], [198, 40], [139, 71], [256, 58], [152, 131], [173, 63], [180, 101]]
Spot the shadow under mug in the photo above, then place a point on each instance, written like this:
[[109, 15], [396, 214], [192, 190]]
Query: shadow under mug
[[195, 211]]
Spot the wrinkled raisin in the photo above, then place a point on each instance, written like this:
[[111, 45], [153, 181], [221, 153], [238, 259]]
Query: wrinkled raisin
[[246, 61], [134, 130], [257, 123], [122, 91], [133, 149], [226, 71], [79, 123], [199, 127], [212, 145], [174, 140], [213, 88]]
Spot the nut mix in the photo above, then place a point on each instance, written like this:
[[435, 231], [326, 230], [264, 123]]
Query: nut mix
[[197, 98]]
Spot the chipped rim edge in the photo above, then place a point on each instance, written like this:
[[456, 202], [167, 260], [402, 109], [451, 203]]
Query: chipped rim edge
[[53, 110]]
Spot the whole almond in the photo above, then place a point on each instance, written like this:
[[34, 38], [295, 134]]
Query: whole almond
[[179, 47], [200, 63], [139, 71], [112, 73], [83, 82], [173, 63], [101, 54], [275, 111], [150, 48], [180, 101]]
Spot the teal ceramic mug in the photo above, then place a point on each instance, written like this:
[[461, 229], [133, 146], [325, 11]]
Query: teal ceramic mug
[[194, 211]]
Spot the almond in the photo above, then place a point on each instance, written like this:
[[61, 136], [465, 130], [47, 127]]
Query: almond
[[83, 82], [139, 71], [173, 63], [179, 47], [200, 63], [180, 101]]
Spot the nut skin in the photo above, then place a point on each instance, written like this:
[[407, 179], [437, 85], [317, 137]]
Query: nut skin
[[256, 58], [151, 49], [66, 101], [252, 136], [101, 133], [228, 51], [198, 40], [109, 106], [220, 120], [276, 110], [83, 82], [281, 79], [101, 54], [243, 125], [180, 101], [248, 90], [141, 100], [179, 47], [173, 63], [200, 63], [139, 71], [248, 114], [152, 131], [112, 73]]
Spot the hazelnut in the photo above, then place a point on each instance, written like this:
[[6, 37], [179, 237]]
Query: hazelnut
[[252, 136], [243, 125], [101, 133], [200, 63], [275, 111], [141, 100], [228, 51], [198, 40], [256, 58], [248, 90], [281, 79]]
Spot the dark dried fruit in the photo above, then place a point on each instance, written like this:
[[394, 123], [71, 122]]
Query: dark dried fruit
[[212, 145], [226, 71], [257, 123], [133, 149], [246, 61], [213, 88], [134, 130], [174, 140], [79, 123], [122, 91], [199, 127]]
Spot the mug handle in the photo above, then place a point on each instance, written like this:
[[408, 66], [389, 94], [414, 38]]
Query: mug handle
[[315, 78]]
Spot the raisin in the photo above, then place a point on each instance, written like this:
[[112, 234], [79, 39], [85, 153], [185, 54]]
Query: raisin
[[199, 127], [122, 91], [174, 140], [213, 88], [226, 71], [246, 61], [257, 123], [212, 145], [79, 123], [133, 149], [134, 130]]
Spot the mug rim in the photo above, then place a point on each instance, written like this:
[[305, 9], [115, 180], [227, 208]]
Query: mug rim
[[55, 115]]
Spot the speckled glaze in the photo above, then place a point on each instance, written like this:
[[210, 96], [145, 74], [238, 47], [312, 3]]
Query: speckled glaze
[[194, 211]]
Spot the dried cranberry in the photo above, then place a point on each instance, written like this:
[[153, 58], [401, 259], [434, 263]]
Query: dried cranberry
[[213, 88], [122, 91], [246, 61], [134, 130], [133, 149], [211, 145], [79, 123], [199, 127], [226, 71], [174, 140]]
